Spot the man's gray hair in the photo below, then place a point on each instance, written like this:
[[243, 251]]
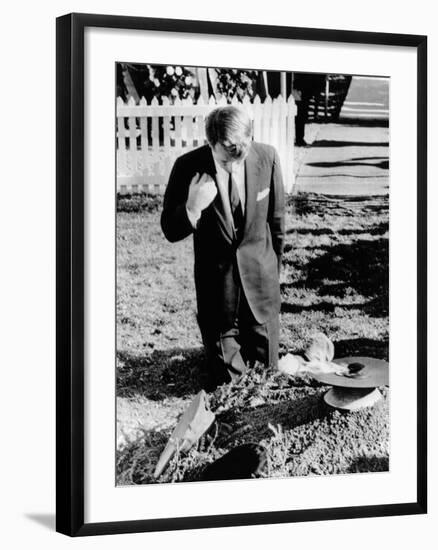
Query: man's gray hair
[[228, 122]]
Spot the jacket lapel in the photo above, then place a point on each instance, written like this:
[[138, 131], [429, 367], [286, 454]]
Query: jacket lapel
[[252, 170], [220, 205]]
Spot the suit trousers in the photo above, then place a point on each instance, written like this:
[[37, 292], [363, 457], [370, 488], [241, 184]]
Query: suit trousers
[[231, 350]]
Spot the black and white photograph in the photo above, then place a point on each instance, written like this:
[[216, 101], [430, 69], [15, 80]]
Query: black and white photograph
[[252, 274], [216, 275]]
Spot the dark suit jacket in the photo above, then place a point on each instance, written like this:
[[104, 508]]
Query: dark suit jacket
[[220, 261]]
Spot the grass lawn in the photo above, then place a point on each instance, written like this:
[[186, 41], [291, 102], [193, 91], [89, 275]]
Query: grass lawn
[[334, 279]]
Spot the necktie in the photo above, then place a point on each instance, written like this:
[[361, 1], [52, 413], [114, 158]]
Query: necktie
[[236, 207]]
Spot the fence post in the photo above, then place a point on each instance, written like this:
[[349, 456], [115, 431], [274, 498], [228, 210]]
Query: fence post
[[282, 127], [178, 132], [121, 143], [166, 123], [132, 156], [257, 120], [188, 126], [290, 143], [144, 139], [199, 125], [266, 120]]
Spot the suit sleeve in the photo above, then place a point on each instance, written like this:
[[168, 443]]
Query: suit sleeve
[[276, 215], [175, 222]]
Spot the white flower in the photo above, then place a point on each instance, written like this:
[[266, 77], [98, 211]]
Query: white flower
[[320, 349], [290, 364], [178, 71], [170, 70], [188, 80]]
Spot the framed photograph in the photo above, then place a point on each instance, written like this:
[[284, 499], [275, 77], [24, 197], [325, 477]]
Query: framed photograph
[[241, 274]]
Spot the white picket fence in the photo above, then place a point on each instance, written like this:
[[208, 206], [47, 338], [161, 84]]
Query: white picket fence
[[151, 137]]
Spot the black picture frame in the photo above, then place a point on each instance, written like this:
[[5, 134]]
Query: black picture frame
[[70, 272]]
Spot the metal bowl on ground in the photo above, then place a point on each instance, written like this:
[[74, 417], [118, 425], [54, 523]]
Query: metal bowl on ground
[[357, 387]]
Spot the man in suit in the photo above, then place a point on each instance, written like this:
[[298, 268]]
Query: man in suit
[[229, 194]]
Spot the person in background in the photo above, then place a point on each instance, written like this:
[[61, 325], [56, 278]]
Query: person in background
[[307, 85]]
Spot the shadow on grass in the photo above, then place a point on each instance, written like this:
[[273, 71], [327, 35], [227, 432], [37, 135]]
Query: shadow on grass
[[377, 229], [361, 265], [175, 372], [251, 424], [139, 202], [326, 307], [362, 347], [303, 204], [369, 464]]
